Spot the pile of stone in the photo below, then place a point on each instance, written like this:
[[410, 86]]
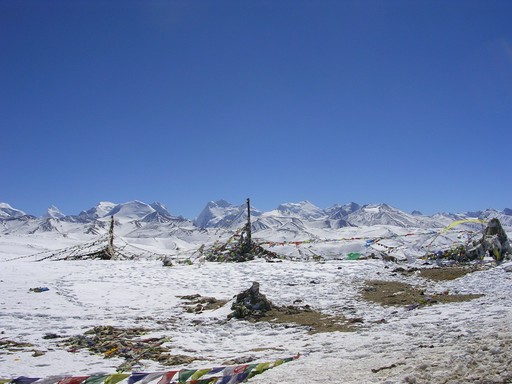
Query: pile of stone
[[250, 304], [239, 248]]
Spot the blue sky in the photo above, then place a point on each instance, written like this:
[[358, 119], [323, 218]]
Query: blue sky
[[183, 102]]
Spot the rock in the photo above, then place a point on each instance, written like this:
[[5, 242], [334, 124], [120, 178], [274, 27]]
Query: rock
[[50, 335], [167, 262]]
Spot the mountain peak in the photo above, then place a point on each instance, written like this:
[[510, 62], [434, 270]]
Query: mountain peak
[[102, 209], [131, 210], [7, 212], [160, 208], [53, 213], [219, 203], [303, 209]]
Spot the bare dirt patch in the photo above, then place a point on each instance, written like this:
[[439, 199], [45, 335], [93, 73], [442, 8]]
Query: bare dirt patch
[[315, 321], [403, 294], [442, 274], [437, 274]]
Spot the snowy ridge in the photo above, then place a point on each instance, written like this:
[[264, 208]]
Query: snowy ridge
[[295, 217]]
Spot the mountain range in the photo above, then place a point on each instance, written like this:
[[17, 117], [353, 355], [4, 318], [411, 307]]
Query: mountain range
[[136, 217]]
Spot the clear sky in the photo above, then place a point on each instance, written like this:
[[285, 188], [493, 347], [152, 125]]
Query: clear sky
[[401, 102]]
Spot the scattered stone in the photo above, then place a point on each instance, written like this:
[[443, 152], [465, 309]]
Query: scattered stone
[[13, 346], [51, 336], [197, 303], [375, 370], [239, 360]]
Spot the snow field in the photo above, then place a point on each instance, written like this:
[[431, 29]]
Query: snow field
[[470, 340]]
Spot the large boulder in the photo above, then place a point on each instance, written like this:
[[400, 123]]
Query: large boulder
[[494, 243]]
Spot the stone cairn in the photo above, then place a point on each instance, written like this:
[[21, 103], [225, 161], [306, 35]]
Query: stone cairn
[[240, 247], [250, 304]]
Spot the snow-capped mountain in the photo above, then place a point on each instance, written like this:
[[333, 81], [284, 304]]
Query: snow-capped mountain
[[303, 210], [221, 214], [54, 213], [102, 209], [382, 214], [341, 211], [160, 209], [295, 219], [331, 232], [8, 212]]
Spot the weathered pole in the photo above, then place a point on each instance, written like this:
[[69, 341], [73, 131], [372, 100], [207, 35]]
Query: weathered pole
[[110, 247], [249, 240]]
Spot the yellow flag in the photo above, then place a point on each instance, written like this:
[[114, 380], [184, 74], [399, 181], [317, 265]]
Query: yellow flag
[[115, 378]]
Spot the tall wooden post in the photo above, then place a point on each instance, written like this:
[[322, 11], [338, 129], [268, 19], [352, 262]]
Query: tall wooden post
[[249, 240], [110, 247]]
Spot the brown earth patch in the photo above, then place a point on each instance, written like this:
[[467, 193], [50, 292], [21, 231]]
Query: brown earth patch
[[437, 274], [403, 294], [317, 322], [447, 273]]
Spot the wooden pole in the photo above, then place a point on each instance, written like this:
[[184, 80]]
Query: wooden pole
[[249, 240], [110, 248]]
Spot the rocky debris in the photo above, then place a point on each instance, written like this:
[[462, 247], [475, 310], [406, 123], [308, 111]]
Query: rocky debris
[[125, 343], [12, 346], [197, 303], [50, 335]]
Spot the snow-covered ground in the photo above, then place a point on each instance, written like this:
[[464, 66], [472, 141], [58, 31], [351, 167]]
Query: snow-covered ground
[[444, 343]]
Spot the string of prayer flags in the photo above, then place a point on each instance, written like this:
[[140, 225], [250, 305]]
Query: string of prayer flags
[[217, 375]]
